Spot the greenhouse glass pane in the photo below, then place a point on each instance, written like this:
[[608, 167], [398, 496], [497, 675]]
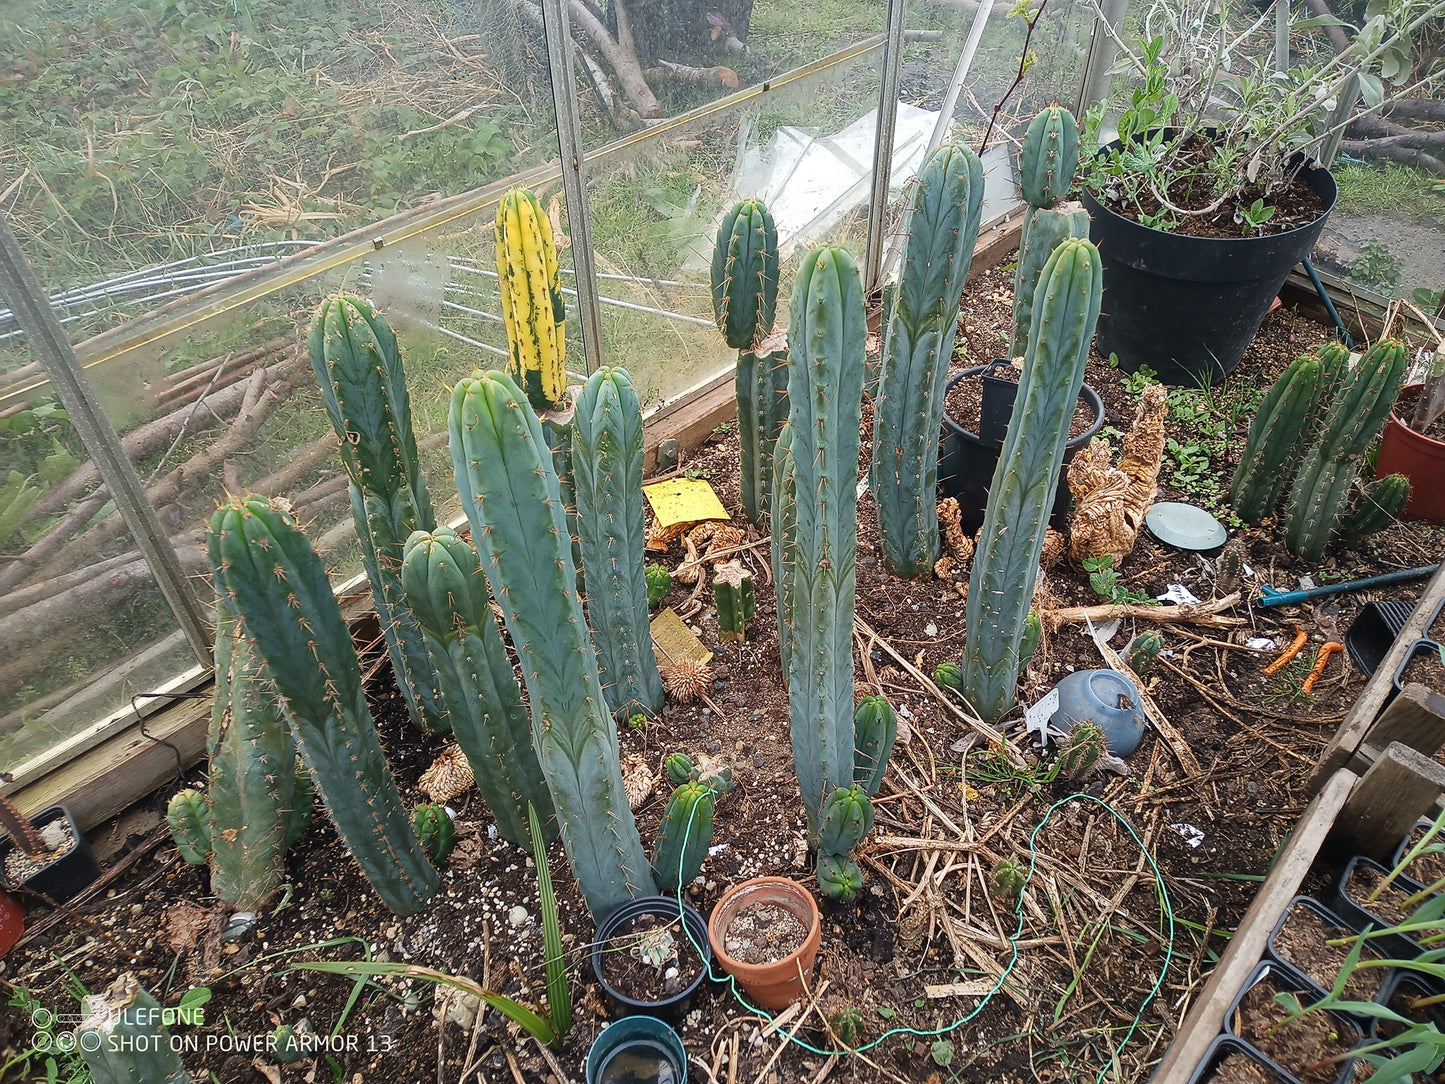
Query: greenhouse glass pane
[[154, 148], [805, 149]]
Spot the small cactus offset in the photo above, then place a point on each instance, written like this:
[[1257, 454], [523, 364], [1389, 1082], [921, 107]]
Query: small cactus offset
[[1378, 505], [1081, 751], [1280, 424], [358, 368], [875, 729], [847, 816], [1049, 157], [1005, 568], [121, 1038], [1144, 650], [284, 605], [187, 814], [448, 593], [607, 474], [817, 537], [839, 877], [948, 675], [1007, 880], [1316, 506], [533, 311], [659, 585], [684, 836], [680, 768], [733, 592], [942, 230], [435, 830], [1029, 642], [509, 492]]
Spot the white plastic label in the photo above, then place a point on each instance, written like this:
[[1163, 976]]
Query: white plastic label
[[1036, 718]]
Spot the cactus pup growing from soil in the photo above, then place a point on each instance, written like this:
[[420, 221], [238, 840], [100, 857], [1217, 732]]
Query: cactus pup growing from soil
[[607, 479], [509, 492], [285, 607], [918, 345], [448, 593], [358, 368]]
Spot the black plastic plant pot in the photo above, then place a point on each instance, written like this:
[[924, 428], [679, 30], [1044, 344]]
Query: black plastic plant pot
[[1226, 1046], [1188, 306], [1401, 989], [1336, 927], [966, 460], [1286, 980], [1421, 648], [676, 1005], [637, 1048], [1351, 904], [60, 875]]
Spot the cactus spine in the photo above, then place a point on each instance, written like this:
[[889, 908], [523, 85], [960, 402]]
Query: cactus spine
[[1001, 585], [358, 367], [818, 552], [532, 308], [448, 593], [1280, 424], [284, 604], [875, 728], [1318, 495], [736, 598], [684, 835], [942, 231], [121, 1040], [1378, 506], [744, 302], [607, 474], [509, 492]]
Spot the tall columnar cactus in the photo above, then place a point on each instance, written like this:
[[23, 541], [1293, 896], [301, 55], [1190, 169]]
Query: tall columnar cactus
[[607, 474], [1280, 424], [121, 1038], [942, 230], [1318, 497], [1048, 161], [448, 593], [509, 492], [784, 529], [285, 607], [532, 308], [241, 825], [358, 367], [1005, 568], [818, 549], [744, 302], [684, 835]]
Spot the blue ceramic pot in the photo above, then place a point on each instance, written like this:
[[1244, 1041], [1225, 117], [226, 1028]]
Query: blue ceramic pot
[[1106, 699]]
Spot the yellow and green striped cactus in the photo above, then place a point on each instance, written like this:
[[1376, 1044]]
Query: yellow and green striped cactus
[[532, 306]]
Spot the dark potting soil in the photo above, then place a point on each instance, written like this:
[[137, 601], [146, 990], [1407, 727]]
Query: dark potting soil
[[964, 402], [1303, 942], [1406, 999], [1429, 867], [1388, 905], [1237, 1068], [1426, 668], [1295, 206], [650, 959], [1304, 1046], [763, 933]]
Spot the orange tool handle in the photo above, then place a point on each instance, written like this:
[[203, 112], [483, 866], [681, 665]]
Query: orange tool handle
[[1300, 639], [1326, 650]]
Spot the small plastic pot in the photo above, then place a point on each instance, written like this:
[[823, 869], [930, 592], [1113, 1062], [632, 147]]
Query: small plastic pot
[[1286, 981], [12, 921], [1414, 985], [1417, 457], [643, 1044], [1225, 1045], [1350, 904], [675, 1006], [1330, 919], [63, 876], [776, 984]]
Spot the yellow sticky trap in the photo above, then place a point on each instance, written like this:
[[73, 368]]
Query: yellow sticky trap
[[684, 500], [673, 640]]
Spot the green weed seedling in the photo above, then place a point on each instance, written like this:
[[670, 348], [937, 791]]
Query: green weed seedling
[[1105, 582]]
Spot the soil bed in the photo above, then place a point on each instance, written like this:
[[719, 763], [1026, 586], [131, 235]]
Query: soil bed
[[925, 941]]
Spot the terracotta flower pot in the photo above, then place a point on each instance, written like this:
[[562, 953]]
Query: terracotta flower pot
[[12, 921], [1418, 457], [775, 984]]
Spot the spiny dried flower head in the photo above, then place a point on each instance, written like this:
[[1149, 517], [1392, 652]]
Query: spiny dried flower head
[[449, 776], [687, 678]]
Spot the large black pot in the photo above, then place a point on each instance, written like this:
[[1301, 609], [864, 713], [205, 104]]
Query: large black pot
[[1188, 306], [966, 460]]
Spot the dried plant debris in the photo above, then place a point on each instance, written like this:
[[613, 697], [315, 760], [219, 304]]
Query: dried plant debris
[[1110, 501], [449, 776], [687, 679]]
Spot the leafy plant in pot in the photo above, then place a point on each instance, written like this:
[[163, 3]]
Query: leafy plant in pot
[[47, 855], [1212, 191], [1408, 447]]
